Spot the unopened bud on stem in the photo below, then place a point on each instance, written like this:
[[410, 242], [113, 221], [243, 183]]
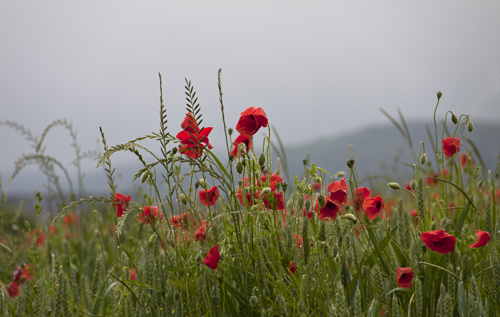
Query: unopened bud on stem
[[470, 126], [394, 185], [423, 159]]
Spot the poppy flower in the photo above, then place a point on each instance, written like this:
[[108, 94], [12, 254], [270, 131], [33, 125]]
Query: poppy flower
[[23, 273], [189, 124], [338, 192], [150, 215], [132, 274], [212, 258], [193, 143], [200, 232], [14, 290], [439, 241], [251, 120], [274, 178], [451, 146], [120, 203], [275, 198], [292, 267], [404, 276], [38, 235], [482, 238], [373, 206], [241, 139], [464, 160], [208, 197], [329, 210], [414, 214], [316, 187]]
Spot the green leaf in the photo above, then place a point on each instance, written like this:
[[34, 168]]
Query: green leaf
[[322, 170], [375, 243], [461, 220], [219, 164]]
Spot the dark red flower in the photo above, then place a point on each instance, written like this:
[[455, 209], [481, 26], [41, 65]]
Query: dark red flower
[[200, 232], [438, 241], [251, 120], [193, 143], [150, 215], [212, 258], [120, 203], [241, 139], [189, 123], [451, 146], [404, 276], [245, 192], [274, 200], [132, 274], [14, 290], [338, 192], [274, 178], [292, 267], [316, 186], [373, 206], [329, 210], [208, 197], [482, 238]]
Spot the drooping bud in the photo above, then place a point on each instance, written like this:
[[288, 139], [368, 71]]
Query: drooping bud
[[350, 163], [439, 95], [480, 183], [423, 159], [253, 300], [230, 131], [262, 159], [284, 185], [413, 185], [242, 149], [266, 190], [454, 119], [321, 201], [335, 250], [145, 176], [304, 162], [394, 185], [184, 198], [239, 167], [351, 217], [231, 157], [470, 126], [174, 150], [308, 204], [301, 201]]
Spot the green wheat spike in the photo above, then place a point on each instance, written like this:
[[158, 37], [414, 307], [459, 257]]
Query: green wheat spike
[[419, 303], [420, 203], [96, 282]]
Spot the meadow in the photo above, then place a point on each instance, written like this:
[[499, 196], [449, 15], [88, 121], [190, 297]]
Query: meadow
[[227, 236]]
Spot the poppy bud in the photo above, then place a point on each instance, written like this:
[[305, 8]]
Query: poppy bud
[[480, 183], [321, 201], [144, 177], [423, 159], [231, 157], [335, 250], [244, 162], [350, 163], [470, 126], [174, 150], [152, 238], [255, 208], [262, 159], [340, 174], [184, 199], [230, 131], [266, 190], [394, 185], [304, 162], [350, 258], [439, 94], [202, 182], [454, 119], [351, 217], [301, 202], [242, 149], [239, 167], [413, 185], [253, 300], [284, 185], [308, 204]]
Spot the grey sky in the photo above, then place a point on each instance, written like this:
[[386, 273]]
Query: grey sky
[[316, 67]]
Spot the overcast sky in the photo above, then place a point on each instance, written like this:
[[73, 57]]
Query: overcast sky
[[316, 67]]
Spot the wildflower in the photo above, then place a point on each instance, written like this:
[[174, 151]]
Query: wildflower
[[70, 218], [241, 192], [150, 215], [189, 124], [274, 178], [132, 274], [200, 232], [14, 290], [241, 139], [482, 239], [373, 206], [208, 197], [212, 258], [292, 267], [23, 273], [414, 214], [338, 192], [251, 120], [439, 241], [275, 199], [329, 210], [464, 160], [120, 203], [451, 146], [192, 143], [316, 186], [404, 276], [38, 235]]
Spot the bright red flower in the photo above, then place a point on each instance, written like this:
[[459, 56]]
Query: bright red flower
[[360, 194], [200, 232], [212, 258], [338, 192], [38, 235], [193, 143], [292, 267], [189, 124], [316, 186], [439, 241], [482, 238], [275, 198], [274, 178], [150, 215], [414, 214], [121, 203], [241, 139], [208, 197], [70, 218], [404, 276], [464, 160], [329, 210], [251, 120], [132, 274], [451, 146], [14, 290], [373, 206]]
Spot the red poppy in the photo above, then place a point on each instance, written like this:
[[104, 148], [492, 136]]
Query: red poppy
[[438, 241], [299, 241], [329, 210], [200, 232], [414, 214], [245, 192], [150, 215], [70, 218], [404, 276], [38, 235], [120, 203], [241, 139], [189, 124], [193, 143], [451, 146], [464, 160], [23, 273], [482, 238], [292, 267], [132, 274], [275, 198], [338, 191], [251, 120], [14, 290], [274, 178], [208, 197], [316, 187], [212, 258], [52, 229], [373, 206]]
